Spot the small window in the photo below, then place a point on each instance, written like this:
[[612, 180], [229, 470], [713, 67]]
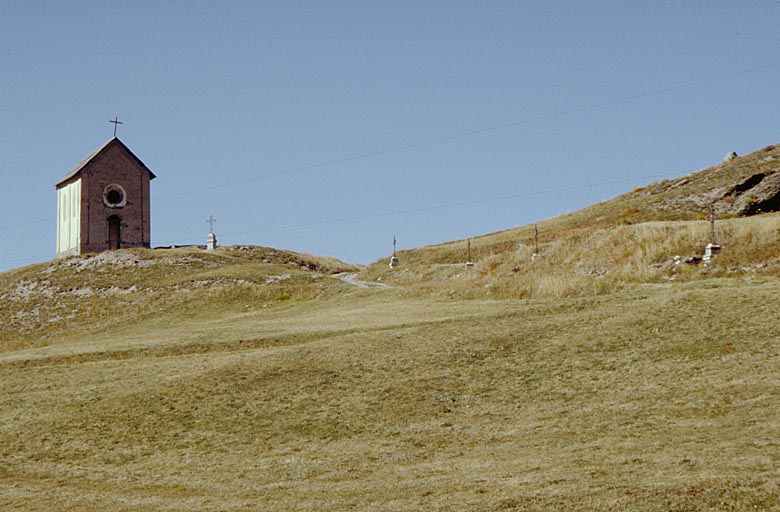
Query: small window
[[114, 196]]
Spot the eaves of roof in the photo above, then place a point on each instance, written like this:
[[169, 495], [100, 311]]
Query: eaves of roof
[[95, 153]]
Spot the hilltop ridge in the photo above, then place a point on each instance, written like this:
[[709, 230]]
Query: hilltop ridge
[[628, 239], [119, 289], [601, 374], [742, 186], [632, 238]]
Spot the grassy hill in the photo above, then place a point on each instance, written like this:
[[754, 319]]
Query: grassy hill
[[118, 291], [599, 375], [630, 239]]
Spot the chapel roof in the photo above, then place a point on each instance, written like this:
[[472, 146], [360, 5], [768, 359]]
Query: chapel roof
[[112, 142]]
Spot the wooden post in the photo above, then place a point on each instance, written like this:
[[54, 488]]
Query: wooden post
[[536, 240], [712, 224]]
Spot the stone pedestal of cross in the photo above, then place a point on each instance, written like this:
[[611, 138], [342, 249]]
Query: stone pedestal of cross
[[211, 241], [710, 252]]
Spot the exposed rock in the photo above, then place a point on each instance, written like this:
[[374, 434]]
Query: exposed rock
[[762, 198], [674, 263], [680, 183], [117, 259], [745, 185], [276, 279], [591, 270], [669, 264], [28, 289]]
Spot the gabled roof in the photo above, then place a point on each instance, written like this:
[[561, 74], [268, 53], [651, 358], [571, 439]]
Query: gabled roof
[[113, 142]]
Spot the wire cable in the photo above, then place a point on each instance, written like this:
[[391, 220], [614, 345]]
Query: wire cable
[[470, 133], [394, 149], [442, 206]]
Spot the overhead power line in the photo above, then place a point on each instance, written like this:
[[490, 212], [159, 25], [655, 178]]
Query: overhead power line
[[394, 149], [430, 207], [391, 213], [471, 133]]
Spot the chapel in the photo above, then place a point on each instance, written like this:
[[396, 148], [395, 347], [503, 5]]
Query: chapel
[[103, 203]]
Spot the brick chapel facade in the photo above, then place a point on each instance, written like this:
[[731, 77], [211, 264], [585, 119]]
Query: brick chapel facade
[[103, 204]]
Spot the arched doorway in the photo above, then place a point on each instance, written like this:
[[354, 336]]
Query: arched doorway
[[114, 232]]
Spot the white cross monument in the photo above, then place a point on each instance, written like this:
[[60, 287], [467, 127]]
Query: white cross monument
[[211, 241], [394, 261]]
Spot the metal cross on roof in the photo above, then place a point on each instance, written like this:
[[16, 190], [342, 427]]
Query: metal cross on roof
[[393, 245], [116, 121], [211, 220]]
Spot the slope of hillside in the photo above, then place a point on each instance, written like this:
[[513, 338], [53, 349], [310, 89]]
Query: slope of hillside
[[602, 374], [746, 185], [584, 261], [651, 398], [48, 302], [630, 239]]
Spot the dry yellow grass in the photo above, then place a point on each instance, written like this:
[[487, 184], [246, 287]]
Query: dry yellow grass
[[586, 261], [597, 376], [657, 397], [49, 302]]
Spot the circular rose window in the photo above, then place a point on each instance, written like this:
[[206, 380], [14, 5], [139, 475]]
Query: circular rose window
[[114, 196]]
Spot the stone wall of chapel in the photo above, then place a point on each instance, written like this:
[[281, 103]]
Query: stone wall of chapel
[[115, 167]]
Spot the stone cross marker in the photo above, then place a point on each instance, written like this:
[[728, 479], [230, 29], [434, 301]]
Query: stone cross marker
[[394, 261], [211, 241], [712, 248]]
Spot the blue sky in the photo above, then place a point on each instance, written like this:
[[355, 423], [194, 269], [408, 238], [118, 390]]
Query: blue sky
[[284, 119]]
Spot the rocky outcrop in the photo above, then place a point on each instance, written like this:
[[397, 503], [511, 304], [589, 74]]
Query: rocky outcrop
[[745, 185], [763, 197]]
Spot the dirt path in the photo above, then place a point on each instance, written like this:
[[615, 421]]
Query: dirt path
[[351, 279]]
